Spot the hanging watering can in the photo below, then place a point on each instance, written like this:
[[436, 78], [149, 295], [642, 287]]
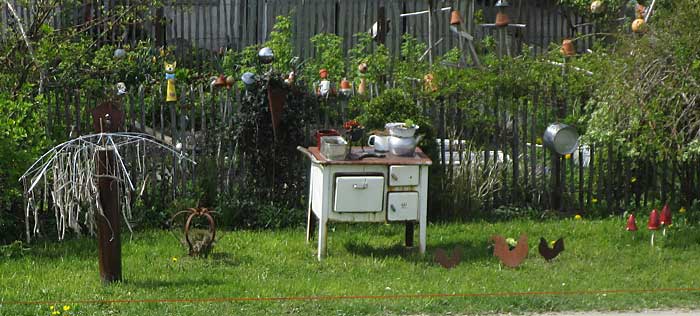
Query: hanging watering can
[[561, 138]]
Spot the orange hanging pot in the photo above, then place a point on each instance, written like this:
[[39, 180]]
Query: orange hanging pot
[[455, 18], [567, 48], [502, 19]]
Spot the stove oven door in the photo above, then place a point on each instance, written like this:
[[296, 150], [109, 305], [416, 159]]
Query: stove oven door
[[359, 194]]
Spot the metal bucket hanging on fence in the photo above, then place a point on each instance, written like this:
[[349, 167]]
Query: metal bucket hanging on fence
[[561, 138]]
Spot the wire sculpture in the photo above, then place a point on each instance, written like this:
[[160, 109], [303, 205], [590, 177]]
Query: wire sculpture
[[67, 175]]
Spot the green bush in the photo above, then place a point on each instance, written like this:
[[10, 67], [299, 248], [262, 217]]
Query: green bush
[[23, 139]]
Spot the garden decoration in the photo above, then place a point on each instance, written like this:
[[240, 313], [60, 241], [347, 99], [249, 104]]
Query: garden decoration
[[510, 258], [323, 89], [448, 262], [345, 88], [631, 225], [653, 224], [220, 81], [266, 56], [362, 69], [198, 241], [639, 24], [171, 94], [665, 218], [121, 88], [119, 53], [550, 253], [429, 83], [502, 18], [501, 24], [561, 140], [289, 80], [248, 79], [87, 180], [455, 18], [567, 48]]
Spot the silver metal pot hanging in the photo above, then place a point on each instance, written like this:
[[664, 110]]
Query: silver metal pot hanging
[[561, 138]]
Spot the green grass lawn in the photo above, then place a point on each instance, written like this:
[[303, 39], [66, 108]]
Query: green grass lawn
[[363, 259]]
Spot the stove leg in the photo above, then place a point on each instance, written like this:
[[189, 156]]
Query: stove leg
[[322, 234], [310, 221], [409, 234]]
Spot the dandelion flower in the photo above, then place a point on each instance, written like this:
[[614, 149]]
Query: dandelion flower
[[594, 200], [551, 243], [567, 156], [578, 217], [174, 259], [66, 308], [633, 180], [52, 307], [55, 313], [682, 210]]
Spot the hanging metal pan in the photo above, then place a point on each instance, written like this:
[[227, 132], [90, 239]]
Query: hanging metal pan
[[561, 138]]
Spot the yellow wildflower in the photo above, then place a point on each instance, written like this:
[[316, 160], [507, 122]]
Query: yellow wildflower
[[633, 180], [55, 313], [52, 307], [682, 210], [66, 308], [551, 243], [174, 259], [578, 217], [567, 156], [594, 200], [153, 60]]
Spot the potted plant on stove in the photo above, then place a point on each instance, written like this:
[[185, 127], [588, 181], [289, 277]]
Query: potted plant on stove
[[354, 132], [403, 129]]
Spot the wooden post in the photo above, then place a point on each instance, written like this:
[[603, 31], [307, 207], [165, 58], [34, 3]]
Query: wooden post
[[108, 117], [556, 181], [108, 226]]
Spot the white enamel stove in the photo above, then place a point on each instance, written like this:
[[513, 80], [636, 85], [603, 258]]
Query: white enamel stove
[[389, 189]]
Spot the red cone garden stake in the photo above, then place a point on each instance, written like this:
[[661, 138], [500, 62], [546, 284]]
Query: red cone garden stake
[[631, 225], [665, 217], [653, 224]]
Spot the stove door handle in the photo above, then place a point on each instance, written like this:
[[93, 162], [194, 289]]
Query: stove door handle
[[359, 186]]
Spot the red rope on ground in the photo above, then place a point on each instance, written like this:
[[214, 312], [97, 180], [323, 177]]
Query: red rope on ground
[[354, 297]]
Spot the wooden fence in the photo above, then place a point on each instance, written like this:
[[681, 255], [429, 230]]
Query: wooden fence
[[477, 167], [212, 24]]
